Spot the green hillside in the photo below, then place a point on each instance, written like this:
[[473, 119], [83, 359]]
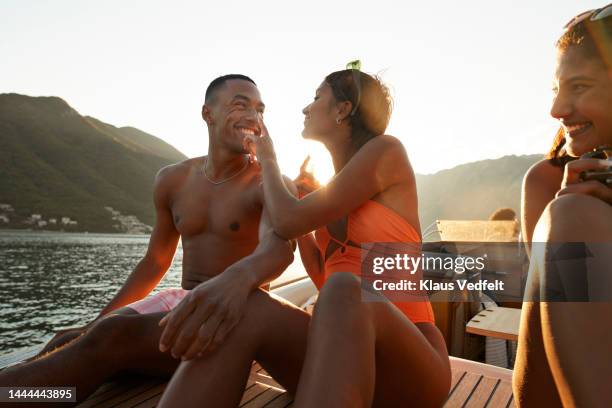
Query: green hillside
[[57, 163], [472, 191]]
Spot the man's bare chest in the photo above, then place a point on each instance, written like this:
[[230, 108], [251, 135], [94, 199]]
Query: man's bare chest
[[225, 211]]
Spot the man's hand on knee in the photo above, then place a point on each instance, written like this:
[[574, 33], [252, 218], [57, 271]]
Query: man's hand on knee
[[205, 317]]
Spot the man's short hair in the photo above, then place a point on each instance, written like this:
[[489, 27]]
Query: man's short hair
[[217, 83]]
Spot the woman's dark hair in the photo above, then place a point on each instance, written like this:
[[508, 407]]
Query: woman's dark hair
[[593, 38], [371, 100], [503, 214], [557, 156]]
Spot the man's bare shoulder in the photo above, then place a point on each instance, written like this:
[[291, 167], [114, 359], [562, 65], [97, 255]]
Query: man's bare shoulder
[[172, 177], [178, 170]]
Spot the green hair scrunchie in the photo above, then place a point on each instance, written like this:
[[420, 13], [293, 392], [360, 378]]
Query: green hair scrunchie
[[356, 64]]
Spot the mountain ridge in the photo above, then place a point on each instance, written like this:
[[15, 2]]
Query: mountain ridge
[[56, 163], [472, 191]]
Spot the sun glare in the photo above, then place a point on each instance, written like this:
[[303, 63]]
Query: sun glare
[[320, 162]]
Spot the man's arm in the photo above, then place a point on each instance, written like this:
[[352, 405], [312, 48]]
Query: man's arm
[[271, 257], [160, 252], [202, 321], [149, 271]]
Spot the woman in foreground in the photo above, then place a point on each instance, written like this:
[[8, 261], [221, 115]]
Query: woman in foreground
[[350, 353], [565, 337]]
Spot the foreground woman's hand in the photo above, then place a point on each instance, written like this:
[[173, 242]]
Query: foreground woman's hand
[[203, 319], [572, 184], [260, 146]]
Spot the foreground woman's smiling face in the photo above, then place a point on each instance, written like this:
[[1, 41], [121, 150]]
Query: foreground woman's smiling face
[[583, 101], [319, 117]]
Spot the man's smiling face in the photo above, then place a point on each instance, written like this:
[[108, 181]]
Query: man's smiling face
[[234, 112]]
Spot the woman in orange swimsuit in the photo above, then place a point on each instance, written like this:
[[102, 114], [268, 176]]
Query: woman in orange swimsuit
[[350, 353], [358, 352]]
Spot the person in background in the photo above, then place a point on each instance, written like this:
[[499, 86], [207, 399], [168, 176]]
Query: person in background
[[565, 337], [503, 214]]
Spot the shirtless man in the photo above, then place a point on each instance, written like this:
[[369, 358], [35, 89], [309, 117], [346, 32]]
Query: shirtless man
[[214, 204]]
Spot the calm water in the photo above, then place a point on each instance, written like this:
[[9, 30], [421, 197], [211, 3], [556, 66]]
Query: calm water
[[50, 281]]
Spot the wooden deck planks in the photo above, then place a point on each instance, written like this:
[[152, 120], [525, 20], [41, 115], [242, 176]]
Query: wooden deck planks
[[263, 378], [502, 397], [470, 390], [463, 390], [457, 375], [147, 398], [264, 398], [482, 393], [473, 385], [252, 392], [115, 389], [133, 393], [282, 401]]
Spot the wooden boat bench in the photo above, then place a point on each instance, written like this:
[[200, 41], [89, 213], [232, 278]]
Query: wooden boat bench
[[473, 385], [497, 322]]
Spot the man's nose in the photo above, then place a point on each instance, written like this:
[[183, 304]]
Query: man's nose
[[305, 110], [253, 114], [562, 106]]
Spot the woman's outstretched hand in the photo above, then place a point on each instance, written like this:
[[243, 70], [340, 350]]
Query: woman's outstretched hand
[[260, 146], [572, 183], [306, 182]]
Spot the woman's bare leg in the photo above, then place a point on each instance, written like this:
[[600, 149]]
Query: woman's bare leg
[[533, 384], [578, 335], [272, 332], [362, 354]]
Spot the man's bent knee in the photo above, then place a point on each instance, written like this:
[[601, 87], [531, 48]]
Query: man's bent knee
[[112, 332]]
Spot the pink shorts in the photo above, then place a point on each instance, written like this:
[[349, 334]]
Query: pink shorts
[[163, 301]]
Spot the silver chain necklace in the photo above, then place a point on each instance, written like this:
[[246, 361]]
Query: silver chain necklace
[[225, 179]]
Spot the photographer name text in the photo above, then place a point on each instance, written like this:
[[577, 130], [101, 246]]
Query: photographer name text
[[429, 285]]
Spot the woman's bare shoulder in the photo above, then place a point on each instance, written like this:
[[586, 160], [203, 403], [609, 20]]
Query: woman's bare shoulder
[[385, 147], [389, 141], [387, 157], [543, 173]]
